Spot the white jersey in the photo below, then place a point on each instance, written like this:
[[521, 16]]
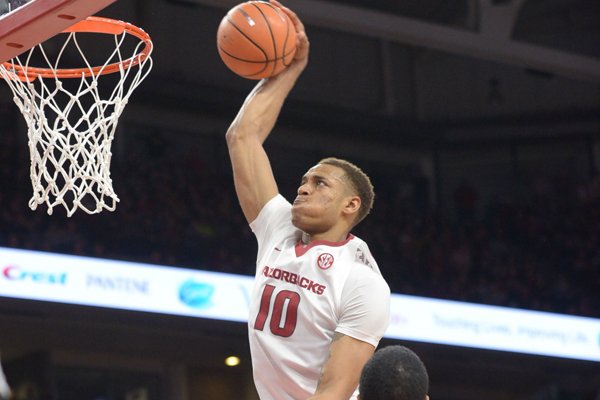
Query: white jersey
[[302, 295]]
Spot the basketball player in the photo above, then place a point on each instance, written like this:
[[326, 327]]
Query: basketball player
[[319, 305], [394, 373]]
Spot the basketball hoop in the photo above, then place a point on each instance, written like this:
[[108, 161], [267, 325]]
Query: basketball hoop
[[71, 129]]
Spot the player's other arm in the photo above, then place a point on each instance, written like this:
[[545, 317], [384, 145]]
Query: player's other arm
[[253, 178], [341, 372], [366, 315]]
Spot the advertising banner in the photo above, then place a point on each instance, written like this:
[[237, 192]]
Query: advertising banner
[[123, 285]]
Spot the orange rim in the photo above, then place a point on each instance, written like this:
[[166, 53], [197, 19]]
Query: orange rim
[[90, 25]]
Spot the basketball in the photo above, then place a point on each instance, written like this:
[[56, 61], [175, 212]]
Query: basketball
[[256, 40]]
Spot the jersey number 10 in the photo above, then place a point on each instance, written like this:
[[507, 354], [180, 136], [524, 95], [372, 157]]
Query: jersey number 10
[[285, 311]]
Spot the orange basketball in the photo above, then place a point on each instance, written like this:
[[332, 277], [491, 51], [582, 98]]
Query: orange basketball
[[256, 40]]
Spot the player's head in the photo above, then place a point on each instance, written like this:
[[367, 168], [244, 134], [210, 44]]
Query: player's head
[[394, 373], [331, 191], [359, 184]]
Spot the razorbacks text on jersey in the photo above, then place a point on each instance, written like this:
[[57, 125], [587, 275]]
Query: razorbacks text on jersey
[[302, 295]]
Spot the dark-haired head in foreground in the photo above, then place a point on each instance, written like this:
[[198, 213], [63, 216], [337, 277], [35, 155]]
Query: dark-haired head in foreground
[[394, 373]]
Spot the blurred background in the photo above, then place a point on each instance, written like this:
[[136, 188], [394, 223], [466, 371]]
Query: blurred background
[[477, 120]]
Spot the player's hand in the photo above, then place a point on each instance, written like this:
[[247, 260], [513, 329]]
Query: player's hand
[[302, 43]]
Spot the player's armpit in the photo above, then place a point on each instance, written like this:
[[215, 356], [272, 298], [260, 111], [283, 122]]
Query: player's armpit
[[341, 372]]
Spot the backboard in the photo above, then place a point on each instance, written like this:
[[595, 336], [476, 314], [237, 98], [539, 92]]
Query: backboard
[[25, 23]]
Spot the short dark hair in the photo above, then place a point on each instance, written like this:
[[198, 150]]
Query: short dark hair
[[359, 181], [394, 373]]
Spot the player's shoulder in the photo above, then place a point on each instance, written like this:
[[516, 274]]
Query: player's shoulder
[[361, 254], [274, 214], [276, 204], [364, 267]]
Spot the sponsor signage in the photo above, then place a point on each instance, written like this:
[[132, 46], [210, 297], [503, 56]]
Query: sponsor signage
[[497, 328], [150, 288]]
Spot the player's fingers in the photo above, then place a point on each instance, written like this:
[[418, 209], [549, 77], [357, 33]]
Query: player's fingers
[[302, 44], [293, 16]]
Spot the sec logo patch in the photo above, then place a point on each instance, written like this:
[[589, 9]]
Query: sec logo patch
[[325, 261]]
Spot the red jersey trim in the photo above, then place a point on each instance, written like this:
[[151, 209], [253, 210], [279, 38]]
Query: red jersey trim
[[301, 248]]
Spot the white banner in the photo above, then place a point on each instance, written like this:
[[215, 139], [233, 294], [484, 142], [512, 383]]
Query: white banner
[[123, 285], [142, 287], [496, 328]]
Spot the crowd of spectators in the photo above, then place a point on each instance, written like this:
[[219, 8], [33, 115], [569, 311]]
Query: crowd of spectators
[[541, 252]]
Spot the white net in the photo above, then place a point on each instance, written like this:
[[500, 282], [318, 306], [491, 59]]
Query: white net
[[72, 122]]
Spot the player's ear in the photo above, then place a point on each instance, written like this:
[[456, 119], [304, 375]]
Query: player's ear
[[352, 205]]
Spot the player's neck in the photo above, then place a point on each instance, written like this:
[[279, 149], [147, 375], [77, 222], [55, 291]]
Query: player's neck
[[330, 236]]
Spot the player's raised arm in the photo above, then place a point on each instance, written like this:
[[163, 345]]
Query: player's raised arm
[[254, 181]]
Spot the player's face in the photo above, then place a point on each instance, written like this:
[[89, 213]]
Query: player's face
[[321, 196]]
